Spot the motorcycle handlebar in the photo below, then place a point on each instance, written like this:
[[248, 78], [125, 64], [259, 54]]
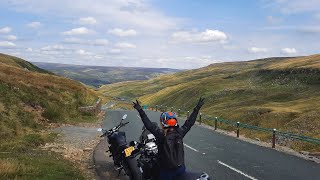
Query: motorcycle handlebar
[[118, 127]]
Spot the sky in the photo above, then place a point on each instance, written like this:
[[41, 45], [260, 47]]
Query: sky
[[180, 34]]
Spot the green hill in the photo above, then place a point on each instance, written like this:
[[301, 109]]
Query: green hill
[[25, 87], [30, 99], [100, 75], [280, 93]]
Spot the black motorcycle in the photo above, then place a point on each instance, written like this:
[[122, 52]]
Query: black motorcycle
[[123, 154], [147, 161]]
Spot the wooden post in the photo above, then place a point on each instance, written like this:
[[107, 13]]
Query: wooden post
[[238, 124], [274, 138], [200, 117], [215, 123]]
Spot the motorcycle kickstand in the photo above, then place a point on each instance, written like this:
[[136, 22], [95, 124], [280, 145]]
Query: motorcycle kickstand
[[119, 171]]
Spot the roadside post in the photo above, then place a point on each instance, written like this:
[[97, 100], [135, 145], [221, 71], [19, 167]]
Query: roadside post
[[188, 114], [171, 109], [274, 138], [238, 124], [215, 123], [156, 107], [179, 112], [200, 117], [166, 108]]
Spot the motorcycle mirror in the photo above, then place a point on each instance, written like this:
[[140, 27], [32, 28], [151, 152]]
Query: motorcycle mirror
[[124, 117], [99, 129]]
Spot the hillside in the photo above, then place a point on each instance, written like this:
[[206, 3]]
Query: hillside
[[280, 93], [24, 86], [100, 75], [30, 99]]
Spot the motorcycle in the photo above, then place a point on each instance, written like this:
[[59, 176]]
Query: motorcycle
[[123, 154], [147, 161]]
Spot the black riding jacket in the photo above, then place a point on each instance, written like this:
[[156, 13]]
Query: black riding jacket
[[160, 136]]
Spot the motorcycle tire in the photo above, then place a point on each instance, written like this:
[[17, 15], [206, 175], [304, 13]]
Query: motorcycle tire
[[135, 173]]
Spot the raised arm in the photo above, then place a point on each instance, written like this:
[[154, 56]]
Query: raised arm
[[192, 118], [155, 130]]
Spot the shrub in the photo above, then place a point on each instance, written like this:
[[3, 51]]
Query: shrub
[[34, 140], [52, 113]]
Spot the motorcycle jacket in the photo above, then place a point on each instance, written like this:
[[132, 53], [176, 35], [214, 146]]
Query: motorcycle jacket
[[170, 144]]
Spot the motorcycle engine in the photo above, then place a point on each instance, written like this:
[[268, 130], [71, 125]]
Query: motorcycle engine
[[151, 148]]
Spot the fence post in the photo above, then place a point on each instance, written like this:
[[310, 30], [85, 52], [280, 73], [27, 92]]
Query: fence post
[[156, 107], [178, 112], [238, 124], [166, 108], [200, 118], [188, 114], [274, 138], [171, 109], [215, 123]]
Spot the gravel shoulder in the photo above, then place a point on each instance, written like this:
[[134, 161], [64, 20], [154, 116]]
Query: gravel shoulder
[[76, 143]]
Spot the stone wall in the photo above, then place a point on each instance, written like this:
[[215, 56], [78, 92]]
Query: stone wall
[[93, 110]]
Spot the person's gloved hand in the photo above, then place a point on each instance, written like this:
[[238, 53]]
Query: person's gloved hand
[[200, 103], [136, 105]]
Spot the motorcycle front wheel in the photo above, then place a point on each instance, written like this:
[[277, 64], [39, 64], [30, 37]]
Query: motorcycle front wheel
[[134, 171]]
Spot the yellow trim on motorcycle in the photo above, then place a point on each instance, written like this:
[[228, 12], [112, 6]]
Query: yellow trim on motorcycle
[[128, 151]]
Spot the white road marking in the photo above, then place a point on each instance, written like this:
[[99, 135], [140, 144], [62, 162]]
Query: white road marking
[[236, 170], [139, 116], [190, 147]]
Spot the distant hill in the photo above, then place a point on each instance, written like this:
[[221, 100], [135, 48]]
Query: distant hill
[[30, 95], [282, 93], [100, 75]]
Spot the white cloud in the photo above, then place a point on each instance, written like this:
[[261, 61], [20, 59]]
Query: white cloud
[[5, 30], [295, 6], [101, 42], [123, 32], [114, 51], [78, 31], [7, 44], [125, 45], [87, 21], [34, 24], [199, 37], [274, 20], [73, 40], [29, 49], [257, 50], [310, 29], [135, 13], [11, 38], [56, 47], [288, 50], [83, 52]]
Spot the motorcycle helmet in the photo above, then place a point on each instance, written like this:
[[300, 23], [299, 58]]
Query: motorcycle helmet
[[168, 119]]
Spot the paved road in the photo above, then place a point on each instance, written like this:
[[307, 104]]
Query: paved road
[[224, 157]]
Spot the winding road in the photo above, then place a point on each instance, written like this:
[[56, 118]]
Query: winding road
[[225, 157]]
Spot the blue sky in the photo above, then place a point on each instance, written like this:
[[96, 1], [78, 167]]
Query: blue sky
[[158, 33]]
